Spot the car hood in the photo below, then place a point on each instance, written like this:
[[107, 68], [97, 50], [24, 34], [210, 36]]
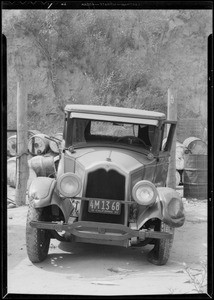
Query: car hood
[[126, 160]]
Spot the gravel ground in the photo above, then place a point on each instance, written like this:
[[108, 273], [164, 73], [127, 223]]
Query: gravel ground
[[87, 269]]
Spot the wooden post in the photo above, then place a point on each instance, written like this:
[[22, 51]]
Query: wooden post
[[172, 116], [22, 169]]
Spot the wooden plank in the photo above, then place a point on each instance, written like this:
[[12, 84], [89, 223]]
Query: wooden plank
[[172, 116]]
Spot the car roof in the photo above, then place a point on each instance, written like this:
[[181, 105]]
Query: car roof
[[115, 111]]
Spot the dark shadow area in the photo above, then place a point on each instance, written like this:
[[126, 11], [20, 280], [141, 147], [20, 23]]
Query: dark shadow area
[[90, 260]]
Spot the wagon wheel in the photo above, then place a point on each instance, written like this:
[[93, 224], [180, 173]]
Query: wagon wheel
[[159, 255]]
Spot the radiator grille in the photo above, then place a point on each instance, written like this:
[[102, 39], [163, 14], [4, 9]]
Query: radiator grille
[[105, 185]]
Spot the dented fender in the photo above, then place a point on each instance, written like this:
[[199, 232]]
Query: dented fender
[[41, 190], [160, 209], [166, 197], [42, 193]]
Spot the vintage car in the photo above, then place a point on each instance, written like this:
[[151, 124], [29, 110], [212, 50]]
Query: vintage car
[[110, 184]]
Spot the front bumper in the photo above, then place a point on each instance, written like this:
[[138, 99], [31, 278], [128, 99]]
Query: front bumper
[[101, 231]]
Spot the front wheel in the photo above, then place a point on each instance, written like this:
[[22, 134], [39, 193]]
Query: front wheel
[[37, 240], [159, 255]]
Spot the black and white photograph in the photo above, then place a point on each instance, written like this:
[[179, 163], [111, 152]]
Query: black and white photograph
[[106, 148]]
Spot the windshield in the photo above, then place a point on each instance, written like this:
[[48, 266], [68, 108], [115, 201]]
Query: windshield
[[82, 132]]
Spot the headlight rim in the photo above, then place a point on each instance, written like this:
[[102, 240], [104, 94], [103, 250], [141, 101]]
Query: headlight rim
[[63, 176], [148, 183]]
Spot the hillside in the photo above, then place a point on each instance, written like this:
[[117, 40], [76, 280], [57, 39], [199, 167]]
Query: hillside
[[110, 57]]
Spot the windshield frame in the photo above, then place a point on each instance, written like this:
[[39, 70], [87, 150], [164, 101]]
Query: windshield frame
[[70, 133]]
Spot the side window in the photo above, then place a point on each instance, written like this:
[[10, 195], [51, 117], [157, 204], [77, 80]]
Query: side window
[[151, 130], [81, 130], [147, 134], [168, 134]]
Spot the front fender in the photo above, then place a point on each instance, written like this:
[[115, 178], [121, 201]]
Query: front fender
[[167, 196], [41, 190], [42, 193], [160, 209], [151, 212]]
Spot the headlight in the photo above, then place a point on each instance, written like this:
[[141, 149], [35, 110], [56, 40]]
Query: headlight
[[69, 184], [175, 208], [144, 193]]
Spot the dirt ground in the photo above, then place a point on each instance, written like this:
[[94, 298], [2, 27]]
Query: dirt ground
[[87, 269]]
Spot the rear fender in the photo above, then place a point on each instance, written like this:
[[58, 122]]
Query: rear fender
[[42, 193]]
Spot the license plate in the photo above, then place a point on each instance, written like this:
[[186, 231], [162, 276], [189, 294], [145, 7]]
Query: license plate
[[104, 207]]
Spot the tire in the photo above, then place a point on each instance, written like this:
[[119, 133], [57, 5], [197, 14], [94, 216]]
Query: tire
[[159, 255], [37, 240]]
